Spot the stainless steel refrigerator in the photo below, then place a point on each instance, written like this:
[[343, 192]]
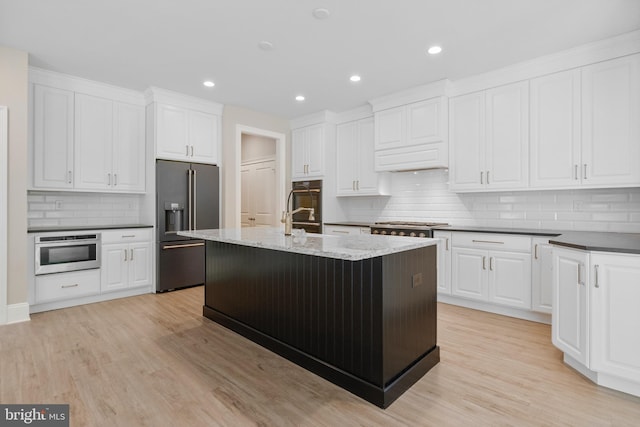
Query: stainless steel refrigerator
[[187, 196]]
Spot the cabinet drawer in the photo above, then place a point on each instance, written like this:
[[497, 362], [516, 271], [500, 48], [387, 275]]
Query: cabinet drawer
[[62, 286], [490, 241], [126, 235]]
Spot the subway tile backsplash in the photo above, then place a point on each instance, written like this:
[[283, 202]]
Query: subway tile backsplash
[[50, 208], [424, 196]]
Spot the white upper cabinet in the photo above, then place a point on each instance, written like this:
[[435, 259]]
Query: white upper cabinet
[[489, 134], [555, 130], [53, 137], [412, 136], [355, 160], [307, 152], [183, 128], [610, 122], [109, 152], [87, 136]]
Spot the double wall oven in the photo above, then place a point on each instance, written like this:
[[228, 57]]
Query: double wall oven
[[307, 194], [68, 252]]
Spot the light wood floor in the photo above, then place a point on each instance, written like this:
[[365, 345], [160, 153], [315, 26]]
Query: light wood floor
[[154, 360]]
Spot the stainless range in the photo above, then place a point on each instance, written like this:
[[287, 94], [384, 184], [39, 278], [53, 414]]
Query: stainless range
[[406, 228]]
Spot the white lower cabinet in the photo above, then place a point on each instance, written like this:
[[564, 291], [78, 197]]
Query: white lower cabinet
[[62, 286], [541, 276], [492, 267], [444, 261], [596, 316], [127, 262]]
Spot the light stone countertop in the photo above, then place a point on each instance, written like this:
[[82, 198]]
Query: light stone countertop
[[350, 248]]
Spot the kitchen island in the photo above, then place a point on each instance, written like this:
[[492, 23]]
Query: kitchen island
[[359, 311]]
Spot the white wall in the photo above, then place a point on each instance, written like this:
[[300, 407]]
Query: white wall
[[424, 196], [256, 147]]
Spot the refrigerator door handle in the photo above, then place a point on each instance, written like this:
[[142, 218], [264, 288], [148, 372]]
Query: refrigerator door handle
[[190, 200], [195, 198]]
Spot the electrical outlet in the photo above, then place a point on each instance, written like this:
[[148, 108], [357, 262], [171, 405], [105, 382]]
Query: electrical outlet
[[58, 204], [416, 280]]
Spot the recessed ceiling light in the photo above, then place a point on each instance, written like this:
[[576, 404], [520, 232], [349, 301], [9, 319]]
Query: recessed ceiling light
[[355, 78], [321, 13], [434, 50], [265, 45], [209, 83], [299, 98]]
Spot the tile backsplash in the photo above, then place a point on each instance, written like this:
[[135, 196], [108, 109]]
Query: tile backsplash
[[48, 208], [424, 196]]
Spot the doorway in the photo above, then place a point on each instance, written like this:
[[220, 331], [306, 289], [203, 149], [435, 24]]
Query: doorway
[[259, 177], [4, 212]]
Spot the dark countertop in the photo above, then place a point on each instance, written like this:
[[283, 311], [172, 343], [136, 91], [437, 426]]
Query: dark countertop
[[599, 241], [525, 231], [350, 223], [85, 227]]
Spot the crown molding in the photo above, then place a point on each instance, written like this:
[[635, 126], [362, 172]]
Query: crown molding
[[165, 96]]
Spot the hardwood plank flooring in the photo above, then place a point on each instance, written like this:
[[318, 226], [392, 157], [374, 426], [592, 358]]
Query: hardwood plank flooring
[[153, 360]]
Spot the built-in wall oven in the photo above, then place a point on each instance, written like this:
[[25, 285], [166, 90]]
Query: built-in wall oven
[[307, 194], [61, 253]]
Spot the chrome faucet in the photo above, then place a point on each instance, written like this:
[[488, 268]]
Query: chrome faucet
[[287, 214]]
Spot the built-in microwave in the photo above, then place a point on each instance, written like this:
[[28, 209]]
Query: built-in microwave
[[57, 254]]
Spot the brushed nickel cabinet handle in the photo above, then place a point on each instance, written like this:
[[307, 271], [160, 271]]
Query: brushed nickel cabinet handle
[[109, 178], [128, 236], [481, 177], [535, 251], [125, 256], [131, 257], [585, 171], [487, 177], [190, 197], [358, 185], [487, 241], [69, 177], [192, 151], [596, 283], [190, 245], [115, 179], [491, 263], [75, 285], [484, 265], [575, 172], [446, 243], [579, 276], [187, 154]]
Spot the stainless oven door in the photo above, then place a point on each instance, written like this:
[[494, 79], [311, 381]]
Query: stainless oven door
[[71, 255]]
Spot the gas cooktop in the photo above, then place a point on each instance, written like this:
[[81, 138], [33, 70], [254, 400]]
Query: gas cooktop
[[405, 228]]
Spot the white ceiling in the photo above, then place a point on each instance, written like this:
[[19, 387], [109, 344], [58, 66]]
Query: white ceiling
[[176, 44]]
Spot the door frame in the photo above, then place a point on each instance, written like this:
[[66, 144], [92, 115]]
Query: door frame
[[4, 212], [281, 144]]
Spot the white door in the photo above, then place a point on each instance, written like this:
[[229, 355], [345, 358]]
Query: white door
[[128, 147], [264, 198], [390, 128], [53, 126], [507, 136], [114, 267], [423, 122], [610, 124], [555, 130], [139, 267], [172, 133], [299, 152], [365, 160], [615, 295], [469, 273], [510, 279], [94, 142], [347, 157], [467, 140], [316, 151], [246, 190], [203, 137], [541, 276], [569, 329]]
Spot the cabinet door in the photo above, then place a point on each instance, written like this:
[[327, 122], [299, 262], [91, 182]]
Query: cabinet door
[[315, 161], [569, 328], [139, 268], [203, 137], [466, 135], [171, 133], [444, 261], [390, 128], [469, 273], [507, 136], [424, 122], [94, 142], [347, 158], [541, 276], [555, 130], [53, 138], [610, 125], [264, 198], [615, 293], [368, 181], [299, 152], [510, 279], [114, 268], [128, 148]]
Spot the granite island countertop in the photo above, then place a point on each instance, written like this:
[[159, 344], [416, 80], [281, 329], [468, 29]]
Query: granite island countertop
[[350, 248]]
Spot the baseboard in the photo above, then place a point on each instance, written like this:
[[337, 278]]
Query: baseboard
[[518, 313], [17, 313]]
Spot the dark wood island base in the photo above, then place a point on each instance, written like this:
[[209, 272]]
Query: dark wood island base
[[368, 326]]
